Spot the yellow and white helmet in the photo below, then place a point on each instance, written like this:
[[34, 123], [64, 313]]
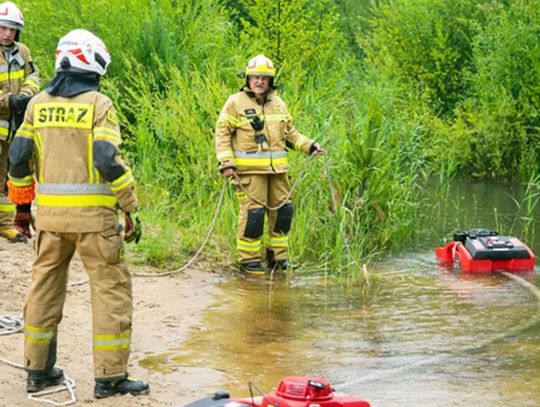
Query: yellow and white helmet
[[261, 66], [11, 16], [80, 50]]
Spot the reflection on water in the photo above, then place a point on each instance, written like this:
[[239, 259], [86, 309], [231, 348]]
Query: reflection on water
[[426, 340], [432, 337]]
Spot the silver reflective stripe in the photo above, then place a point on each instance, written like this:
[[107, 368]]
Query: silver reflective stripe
[[260, 154], [46, 335], [74, 189], [122, 341], [5, 200], [4, 124]]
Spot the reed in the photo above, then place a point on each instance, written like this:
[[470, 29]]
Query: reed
[[394, 97]]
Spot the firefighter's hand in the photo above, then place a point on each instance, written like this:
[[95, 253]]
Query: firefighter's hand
[[18, 103], [132, 229], [228, 172], [317, 150], [23, 220]]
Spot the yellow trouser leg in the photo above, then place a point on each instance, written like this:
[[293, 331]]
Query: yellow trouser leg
[[251, 217], [279, 221], [45, 300], [110, 283], [7, 209]]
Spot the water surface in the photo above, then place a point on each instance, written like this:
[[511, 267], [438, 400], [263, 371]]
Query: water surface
[[431, 336]]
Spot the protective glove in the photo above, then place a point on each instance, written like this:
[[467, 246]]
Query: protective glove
[[132, 230], [23, 220], [18, 103], [316, 150]]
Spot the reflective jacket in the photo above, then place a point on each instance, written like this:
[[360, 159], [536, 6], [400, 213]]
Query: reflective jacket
[[236, 142], [80, 174], [18, 76]]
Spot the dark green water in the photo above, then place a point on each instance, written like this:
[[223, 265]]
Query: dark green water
[[430, 337]]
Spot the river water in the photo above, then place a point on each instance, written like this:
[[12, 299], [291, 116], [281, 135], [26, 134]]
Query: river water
[[431, 336]]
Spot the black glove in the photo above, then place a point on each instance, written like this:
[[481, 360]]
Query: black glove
[[23, 220], [18, 103], [132, 230]]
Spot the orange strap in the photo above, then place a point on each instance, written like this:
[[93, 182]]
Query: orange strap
[[21, 195]]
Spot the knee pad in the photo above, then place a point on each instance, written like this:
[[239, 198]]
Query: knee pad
[[255, 223], [284, 218]]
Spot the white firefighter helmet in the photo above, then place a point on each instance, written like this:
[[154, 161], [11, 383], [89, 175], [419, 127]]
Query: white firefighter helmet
[[80, 50], [260, 65], [11, 16]]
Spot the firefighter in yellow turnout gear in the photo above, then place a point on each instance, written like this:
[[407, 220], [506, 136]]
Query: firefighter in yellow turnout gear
[[19, 81], [69, 143], [253, 133]]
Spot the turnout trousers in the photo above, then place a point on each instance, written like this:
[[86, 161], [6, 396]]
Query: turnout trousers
[[7, 209], [272, 190], [111, 296]]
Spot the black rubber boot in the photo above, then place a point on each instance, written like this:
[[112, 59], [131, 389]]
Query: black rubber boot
[[37, 381], [108, 388], [253, 267], [279, 265], [284, 265]]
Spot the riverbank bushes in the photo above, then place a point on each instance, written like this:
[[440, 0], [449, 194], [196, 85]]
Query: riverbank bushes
[[393, 89]]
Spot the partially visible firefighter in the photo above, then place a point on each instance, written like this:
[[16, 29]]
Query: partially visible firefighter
[[253, 134], [19, 81], [68, 150]]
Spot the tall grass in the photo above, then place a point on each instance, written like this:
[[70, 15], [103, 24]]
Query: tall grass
[[390, 108]]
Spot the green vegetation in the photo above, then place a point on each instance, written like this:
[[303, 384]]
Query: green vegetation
[[395, 90]]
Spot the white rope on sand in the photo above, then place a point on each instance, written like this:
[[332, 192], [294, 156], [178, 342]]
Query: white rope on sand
[[10, 324], [14, 324], [68, 384]]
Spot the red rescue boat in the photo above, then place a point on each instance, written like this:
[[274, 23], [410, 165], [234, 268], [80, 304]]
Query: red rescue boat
[[293, 391], [484, 251]]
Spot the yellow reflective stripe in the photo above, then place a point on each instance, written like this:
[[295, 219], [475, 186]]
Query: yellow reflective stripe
[[38, 335], [90, 162], [252, 162], [301, 140], [4, 131], [76, 200], [22, 132], [112, 347], [241, 122], [38, 142], [228, 118], [56, 114], [259, 68], [106, 133], [6, 76], [231, 119], [4, 207], [123, 181], [21, 182], [31, 82], [225, 154], [279, 241], [112, 342], [249, 246]]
